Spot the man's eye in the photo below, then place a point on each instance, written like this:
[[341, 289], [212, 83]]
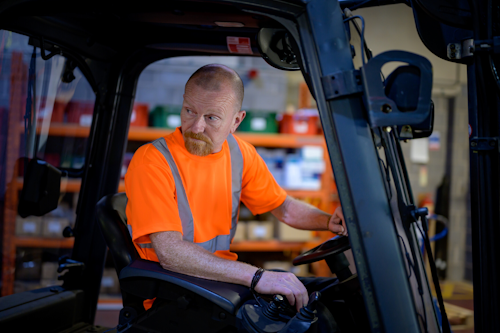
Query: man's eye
[[189, 111], [213, 118]]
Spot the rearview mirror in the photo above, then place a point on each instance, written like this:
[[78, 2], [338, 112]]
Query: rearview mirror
[[400, 87], [41, 189], [278, 48]]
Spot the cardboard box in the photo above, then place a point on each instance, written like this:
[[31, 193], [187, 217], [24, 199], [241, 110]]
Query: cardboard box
[[28, 264], [29, 226], [241, 232], [49, 270], [302, 270], [50, 283], [260, 230], [289, 234], [23, 286], [278, 265], [109, 282], [53, 227]]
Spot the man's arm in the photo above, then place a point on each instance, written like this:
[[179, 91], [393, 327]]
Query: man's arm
[[184, 257], [301, 215]]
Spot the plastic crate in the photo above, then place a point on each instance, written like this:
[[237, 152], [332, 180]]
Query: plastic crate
[[259, 122], [165, 116]]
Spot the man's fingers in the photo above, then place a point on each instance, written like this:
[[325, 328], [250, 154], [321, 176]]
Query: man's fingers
[[289, 296], [286, 284], [301, 293], [337, 228], [339, 213]]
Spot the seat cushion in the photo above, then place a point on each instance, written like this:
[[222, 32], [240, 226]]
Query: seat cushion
[[228, 296]]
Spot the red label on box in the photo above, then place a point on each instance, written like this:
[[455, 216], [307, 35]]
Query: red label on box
[[239, 45]]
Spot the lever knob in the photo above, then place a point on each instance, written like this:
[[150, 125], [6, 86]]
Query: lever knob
[[313, 301], [278, 299], [308, 312]]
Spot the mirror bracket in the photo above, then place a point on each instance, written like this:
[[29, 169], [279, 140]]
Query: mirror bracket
[[382, 111], [342, 84]]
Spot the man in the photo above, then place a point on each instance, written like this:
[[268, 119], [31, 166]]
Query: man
[[184, 191]]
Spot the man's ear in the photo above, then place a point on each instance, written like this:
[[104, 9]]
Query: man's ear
[[238, 119]]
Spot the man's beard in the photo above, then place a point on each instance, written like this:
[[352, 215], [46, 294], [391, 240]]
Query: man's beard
[[200, 148]]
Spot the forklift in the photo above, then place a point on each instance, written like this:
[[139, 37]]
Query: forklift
[[105, 45]]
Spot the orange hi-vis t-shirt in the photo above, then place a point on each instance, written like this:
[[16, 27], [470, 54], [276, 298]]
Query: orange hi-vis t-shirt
[[152, 201]]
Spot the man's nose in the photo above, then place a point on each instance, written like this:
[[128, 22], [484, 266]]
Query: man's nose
[[199, 125]]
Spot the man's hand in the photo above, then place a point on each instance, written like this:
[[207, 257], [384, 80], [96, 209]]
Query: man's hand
[[336, 223], [285, 284]]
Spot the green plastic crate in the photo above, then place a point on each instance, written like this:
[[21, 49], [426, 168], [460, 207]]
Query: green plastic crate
[[165, 116], [259, 122]]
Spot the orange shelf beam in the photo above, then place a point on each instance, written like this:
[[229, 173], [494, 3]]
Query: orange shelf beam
[[73, 185], [70, 185], [67, 129], [276, 140], [63, 243]]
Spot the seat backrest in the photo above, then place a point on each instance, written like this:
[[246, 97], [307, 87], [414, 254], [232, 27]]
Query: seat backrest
[[110, 212]]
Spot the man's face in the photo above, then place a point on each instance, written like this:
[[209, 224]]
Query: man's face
[[207, 118]]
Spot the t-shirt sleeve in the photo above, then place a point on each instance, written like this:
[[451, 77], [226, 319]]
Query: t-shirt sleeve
[[150, 189], [259, 191]]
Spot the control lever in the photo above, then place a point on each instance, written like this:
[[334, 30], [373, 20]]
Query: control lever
[[306, 320], [261, 317], [308, 312], [273, 309]]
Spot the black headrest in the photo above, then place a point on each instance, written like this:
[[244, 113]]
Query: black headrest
[[110, 212]]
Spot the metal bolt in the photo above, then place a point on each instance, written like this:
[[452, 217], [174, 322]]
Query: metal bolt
[[387, 129], [452, 46], [386, 108], [453, 55], [473, 143]]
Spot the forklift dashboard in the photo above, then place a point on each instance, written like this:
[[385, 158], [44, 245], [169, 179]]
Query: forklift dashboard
[[80, 63]]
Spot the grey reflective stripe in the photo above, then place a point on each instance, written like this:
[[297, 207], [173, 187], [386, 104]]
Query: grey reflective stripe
[[237, 177], [143, 246], [182, 201], [218, 243], [221, 242]]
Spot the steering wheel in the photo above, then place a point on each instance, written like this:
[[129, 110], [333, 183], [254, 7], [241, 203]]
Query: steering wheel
[[335, 245]]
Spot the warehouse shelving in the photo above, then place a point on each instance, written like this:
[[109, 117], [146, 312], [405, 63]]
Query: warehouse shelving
[[326, 196]]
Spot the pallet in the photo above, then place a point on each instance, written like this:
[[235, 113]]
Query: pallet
[[459, 318]]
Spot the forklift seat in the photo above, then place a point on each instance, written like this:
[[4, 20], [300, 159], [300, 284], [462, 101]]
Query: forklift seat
[[143, 279]]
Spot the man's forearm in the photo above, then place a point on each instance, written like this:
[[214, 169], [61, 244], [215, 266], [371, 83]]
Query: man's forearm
[[187, 258], [301, 215]]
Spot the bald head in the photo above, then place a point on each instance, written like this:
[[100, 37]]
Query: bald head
[[215, 77]]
